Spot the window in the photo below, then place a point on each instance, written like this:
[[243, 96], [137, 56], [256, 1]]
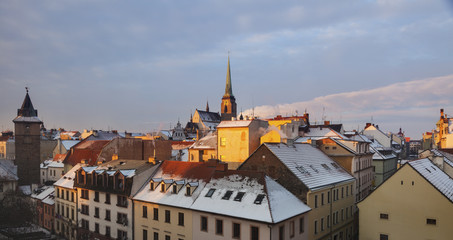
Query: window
[[121, 218], [254, 233], [167, 216], [322, 224], [219, 227], [167, 237], [121, 201], [384, 216], [383, 237], [107, 231], [347, 191], [204, 224], [121, 235], [84, 194], [72, 197], [67, 195], [210, 192], [227, 195], [431, 221], [145, 234], [107, 198], [281, 232], [96, 227], [328, 197], [301, 225], [328, 221], [145, 212], [236, 230], [162, 187], [85, 210], [239, 196], [316, 227], [322, 199], [107, 215], [291, 229], [259, 199], [316, 201], [156, 214], [342, 192], [222, 141], [85, 224], [96, 196], [342, 216], [96, 212], [156, 236], [181, 219], [72, 214]]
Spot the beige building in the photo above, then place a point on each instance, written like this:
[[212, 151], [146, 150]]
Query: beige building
[[66, 205], [51, 170], [236, 140], [204, 148], [443, 134], [314, 178], [421, 209]]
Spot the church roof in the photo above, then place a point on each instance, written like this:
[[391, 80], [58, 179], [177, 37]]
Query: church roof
[[209, 116], [27, 113], [228, 86]]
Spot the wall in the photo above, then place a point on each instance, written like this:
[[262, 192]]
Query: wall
[[407, 210], [65, 222]]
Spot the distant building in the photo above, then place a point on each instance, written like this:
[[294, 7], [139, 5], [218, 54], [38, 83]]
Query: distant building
[[441, 159], [314, 178], [45, 204], [51, 170], [8, 177], [27, 143], [238, 139], [63, 146], [427, 141], [415, 203], [443, 135], [204, 149], [178, 133], [228, 107]]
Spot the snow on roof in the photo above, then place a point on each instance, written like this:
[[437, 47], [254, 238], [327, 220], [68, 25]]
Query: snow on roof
[[211, 125], [8, 171], [51, 163], [49, 200], [43, 192], [434, 175], [306, 139], [324, 132], [26, 119], [237, 123], [128, 173], [305, 162], [67, 144], [67, 181], [207, 142], [209, 116], [25, 189]]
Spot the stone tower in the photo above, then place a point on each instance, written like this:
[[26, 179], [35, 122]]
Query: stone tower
[[27, 142], [228, 106]]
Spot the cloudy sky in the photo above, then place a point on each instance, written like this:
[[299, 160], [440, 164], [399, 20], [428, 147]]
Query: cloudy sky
[[142, 66]]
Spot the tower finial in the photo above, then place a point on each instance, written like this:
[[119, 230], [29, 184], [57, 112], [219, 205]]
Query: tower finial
[[26, 89]]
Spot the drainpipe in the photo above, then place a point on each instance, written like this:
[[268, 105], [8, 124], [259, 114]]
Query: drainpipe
[[270, 232], [331, 216], [133, 219]]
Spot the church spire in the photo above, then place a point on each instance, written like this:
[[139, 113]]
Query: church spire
[[207, 106], [27, 109], [228, 87]]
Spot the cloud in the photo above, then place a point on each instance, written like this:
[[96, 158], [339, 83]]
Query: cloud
[[406, 100]]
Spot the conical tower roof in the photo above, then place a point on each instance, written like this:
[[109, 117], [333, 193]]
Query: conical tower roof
[[228, 86], [27, 112]]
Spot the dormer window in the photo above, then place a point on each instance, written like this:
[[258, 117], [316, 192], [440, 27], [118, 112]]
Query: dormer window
[[190, 188], [162, 187], [188, 192]]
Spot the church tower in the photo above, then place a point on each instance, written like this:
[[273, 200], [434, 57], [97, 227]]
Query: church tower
[[228, 106], [27, 143]]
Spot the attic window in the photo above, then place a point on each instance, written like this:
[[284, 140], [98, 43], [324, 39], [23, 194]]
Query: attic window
[[314, 169], [210, 192], [334, 165], [325, 166], [301, 169], [259, 199], [227, 195], [428, 170], [175, 189], [162, 187], [239, 196]]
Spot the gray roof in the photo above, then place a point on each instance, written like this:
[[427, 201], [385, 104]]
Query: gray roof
[[434, 175], [209, 116], [8, 171], [314, 168]]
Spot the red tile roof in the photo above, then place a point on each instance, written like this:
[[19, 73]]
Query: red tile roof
[[188, 170], [59, 157], [87, 150]]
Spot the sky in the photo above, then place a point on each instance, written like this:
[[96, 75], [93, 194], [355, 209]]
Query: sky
[[142, 65]]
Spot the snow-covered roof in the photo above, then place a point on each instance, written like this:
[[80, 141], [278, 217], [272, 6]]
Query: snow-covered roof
[[314, 168], [434, 175], [49, 200], [89, 169], [67, 144], [43, 192], [67, 181], [8, 171], [237, 123], [128, 173], [324, 132], [208, 116], [260, 199], [207, 142], [27, 119], [51, 164]]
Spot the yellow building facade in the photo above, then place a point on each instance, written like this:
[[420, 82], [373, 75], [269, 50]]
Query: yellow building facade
[[443, 135], [412, 204]]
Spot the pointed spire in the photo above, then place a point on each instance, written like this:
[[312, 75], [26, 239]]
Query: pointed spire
[[27, 109], [207, 106], [228, 87]]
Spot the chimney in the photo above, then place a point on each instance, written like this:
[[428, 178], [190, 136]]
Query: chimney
[[152, 160], [377, 126], [222, 167], [326, 122], [367, 125]]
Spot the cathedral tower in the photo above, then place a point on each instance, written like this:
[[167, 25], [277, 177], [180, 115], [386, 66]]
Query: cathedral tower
[[27, 142], [228, 106]]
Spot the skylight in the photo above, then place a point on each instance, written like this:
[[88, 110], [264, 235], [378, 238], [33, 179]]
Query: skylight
[[325, 166], [314, 169], [301, 169], [334, 165], [210, 192], [259, 199], [239, 196], [227, 195]]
